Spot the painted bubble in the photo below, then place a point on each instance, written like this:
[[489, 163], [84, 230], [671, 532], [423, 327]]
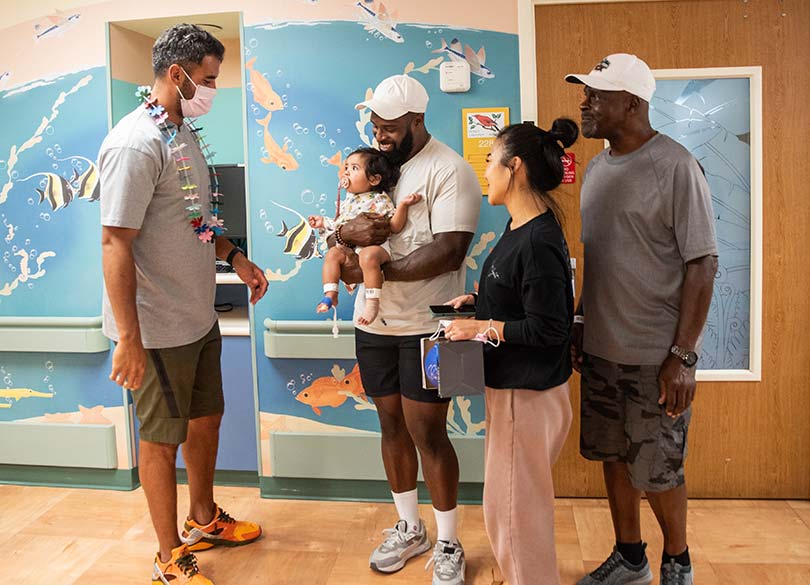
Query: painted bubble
[[307, 196]]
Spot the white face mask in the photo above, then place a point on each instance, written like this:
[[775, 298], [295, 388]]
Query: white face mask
[[200, 103]]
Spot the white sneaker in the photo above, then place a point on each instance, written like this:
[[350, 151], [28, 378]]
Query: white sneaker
[[400, 545], [448, 563]]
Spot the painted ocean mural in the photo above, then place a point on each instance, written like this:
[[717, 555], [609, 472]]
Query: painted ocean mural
[[303, 81], [51, 256]]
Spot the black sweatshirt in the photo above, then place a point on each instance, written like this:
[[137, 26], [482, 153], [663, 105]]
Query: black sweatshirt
[[526, 282]]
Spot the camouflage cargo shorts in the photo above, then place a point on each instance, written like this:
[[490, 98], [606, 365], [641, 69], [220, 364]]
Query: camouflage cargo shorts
[[621, 420]]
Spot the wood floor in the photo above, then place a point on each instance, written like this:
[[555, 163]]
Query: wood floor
[[83, 537]]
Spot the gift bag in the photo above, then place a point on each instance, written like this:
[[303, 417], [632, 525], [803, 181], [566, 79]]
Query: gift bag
[[454, 368]]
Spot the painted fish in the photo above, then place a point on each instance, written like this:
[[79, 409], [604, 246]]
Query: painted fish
[[457, 52], [379, 20], [20, 393], [332, 390], [5, 405], [301, 241], [263, 92], [57, 190], [57, 23], [86, 185], [276, 154], [337, 160]]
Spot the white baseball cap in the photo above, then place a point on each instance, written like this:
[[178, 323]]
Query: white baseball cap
[[395, 96], [619, 72]]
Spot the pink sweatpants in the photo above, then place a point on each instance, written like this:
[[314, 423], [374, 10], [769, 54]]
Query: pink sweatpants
[[525, 433]]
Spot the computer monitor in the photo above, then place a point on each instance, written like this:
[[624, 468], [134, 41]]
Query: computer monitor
[[233, 207]]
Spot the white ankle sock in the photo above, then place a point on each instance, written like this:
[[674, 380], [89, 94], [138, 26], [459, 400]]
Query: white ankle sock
[[407, 504], [447, 525]]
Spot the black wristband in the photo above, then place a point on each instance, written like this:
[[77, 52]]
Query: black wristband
[[236, 250]]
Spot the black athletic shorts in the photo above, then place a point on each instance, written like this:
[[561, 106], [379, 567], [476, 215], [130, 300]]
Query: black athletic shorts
[[390, 364]]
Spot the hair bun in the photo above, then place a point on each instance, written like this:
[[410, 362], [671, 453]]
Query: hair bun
[[564, 131]]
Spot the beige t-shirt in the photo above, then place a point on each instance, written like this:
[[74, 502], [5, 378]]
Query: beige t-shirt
[[451, 203]]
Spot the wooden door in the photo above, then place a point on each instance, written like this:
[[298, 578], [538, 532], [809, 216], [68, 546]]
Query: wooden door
[[747, 439]]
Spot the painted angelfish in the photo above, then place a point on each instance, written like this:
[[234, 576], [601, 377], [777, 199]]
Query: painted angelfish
[[263, 93], [476, 60], [86, 185], [301, 241], [379, 20], [57, 190]]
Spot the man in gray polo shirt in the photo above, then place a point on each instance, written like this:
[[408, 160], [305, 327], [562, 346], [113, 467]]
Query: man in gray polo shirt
[[650, 261], [159, 276]]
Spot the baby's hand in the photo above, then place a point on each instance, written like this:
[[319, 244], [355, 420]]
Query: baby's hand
[[315, 221], [411, 199]]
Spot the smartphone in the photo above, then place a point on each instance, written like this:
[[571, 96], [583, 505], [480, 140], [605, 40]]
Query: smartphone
[[449, 311]]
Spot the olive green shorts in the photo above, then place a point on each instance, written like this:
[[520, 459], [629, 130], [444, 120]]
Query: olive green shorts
[[179, 384]]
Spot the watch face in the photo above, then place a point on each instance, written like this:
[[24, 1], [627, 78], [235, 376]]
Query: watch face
[[691, 358]]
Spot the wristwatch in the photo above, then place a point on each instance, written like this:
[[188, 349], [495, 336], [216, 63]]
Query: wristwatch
[[688, 357], [232, 254]]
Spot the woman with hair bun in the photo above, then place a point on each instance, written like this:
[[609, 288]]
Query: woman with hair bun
[[525, 305]]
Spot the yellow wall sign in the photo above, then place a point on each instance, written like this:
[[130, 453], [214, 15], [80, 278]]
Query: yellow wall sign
[[481, 126]]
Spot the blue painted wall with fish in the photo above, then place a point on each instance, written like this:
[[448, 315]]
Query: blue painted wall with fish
[[301, 122], [51, 253]]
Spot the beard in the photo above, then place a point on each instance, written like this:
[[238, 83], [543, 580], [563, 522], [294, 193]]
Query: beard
[[400, 153]]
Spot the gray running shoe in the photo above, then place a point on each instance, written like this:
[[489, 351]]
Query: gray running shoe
[[448, 564], [399, 546], [617, 571], [674, 574]]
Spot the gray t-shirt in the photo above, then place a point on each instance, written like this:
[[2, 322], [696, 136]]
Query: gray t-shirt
[[141, 189], [644, 216]]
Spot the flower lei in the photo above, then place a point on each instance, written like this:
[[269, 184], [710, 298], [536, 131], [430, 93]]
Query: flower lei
[[206, 231]]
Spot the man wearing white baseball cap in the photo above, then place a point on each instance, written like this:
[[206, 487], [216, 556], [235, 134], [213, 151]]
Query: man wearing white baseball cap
[[650, 261], [619, 72], [427, 268]]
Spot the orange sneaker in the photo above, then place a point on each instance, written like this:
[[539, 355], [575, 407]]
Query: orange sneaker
[[180, 570], [221, 531]]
